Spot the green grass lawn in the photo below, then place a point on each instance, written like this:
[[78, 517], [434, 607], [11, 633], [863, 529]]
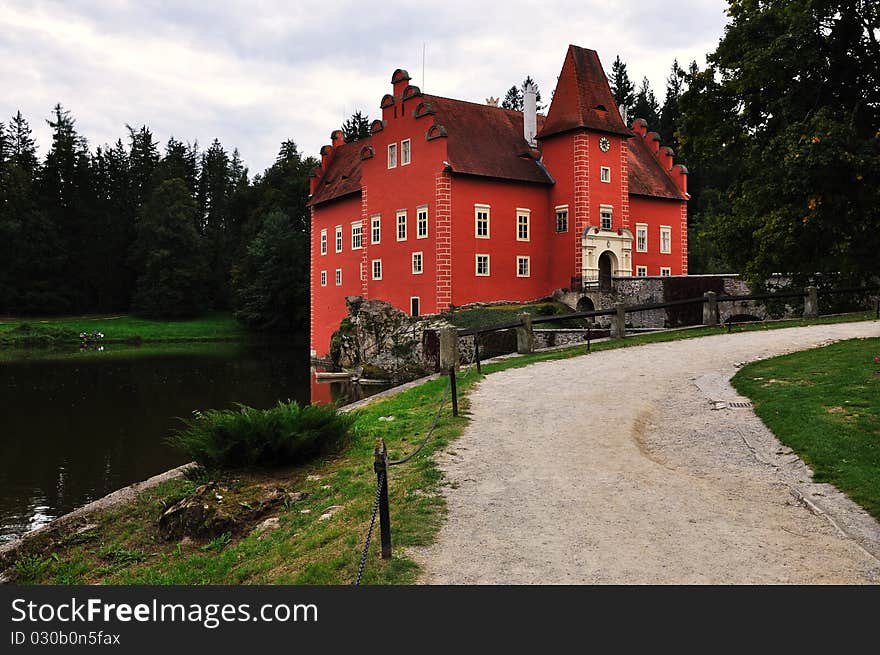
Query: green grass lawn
[[825, 405], [126, 548], [117, 329]]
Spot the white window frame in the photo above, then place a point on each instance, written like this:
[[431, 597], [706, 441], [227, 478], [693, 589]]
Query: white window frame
[[665, 271], [357, 230], [482, 209], [642, 232], [641, 271], [323, 278], [559, 210], [605, 174], [421, 211], [373, 269], [338, 277], [338, 238], [375, 229], [392, 155], [405, 152], [421, 257], [666, 230], [477, 264], [324, 241], [401, 213], [610, 210], [411, 298], [528, 262], [523, 214]]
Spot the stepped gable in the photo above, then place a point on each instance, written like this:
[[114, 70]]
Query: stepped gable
[[651, 169]]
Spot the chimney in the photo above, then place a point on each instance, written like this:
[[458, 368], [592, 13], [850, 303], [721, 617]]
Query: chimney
[[530, 113]]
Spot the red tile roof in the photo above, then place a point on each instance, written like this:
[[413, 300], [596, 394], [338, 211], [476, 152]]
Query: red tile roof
[[486, 141], [343, 174], [646, 175], [581, 93]]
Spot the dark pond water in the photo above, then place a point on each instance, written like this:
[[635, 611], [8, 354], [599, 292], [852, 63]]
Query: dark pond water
[[75, 428]]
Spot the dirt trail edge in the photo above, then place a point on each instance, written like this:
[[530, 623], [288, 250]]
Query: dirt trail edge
[[627, 466]]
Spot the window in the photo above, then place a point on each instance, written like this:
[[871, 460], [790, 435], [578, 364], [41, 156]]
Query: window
[[641, 271], [522, 267], [338, 238], [422, 222], [417, 260], [641, 238], [401, 225], [323, 242], [323, 278], [522, 224], [375, 229], [665, 271], [392, 155], [481, 213], [357, 235], [605, 212], [605, 174], [414, 306], [377, 269], [562, 219], [404, 152], [665, 239], [338, 277], [483, 265]]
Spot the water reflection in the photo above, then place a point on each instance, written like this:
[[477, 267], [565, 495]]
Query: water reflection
[[75, 428]]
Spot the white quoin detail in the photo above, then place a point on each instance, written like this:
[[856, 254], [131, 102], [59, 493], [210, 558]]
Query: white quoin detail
[[530, 113]]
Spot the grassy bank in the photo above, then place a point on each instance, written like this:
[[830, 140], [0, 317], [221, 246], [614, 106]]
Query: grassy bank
[[825, 405], [18, 333], [126, 547]]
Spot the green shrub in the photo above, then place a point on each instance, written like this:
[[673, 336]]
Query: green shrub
[[285, 434]]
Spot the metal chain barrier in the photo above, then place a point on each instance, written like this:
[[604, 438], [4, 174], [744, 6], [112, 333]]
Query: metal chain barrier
[[366, 550], [430, 430]]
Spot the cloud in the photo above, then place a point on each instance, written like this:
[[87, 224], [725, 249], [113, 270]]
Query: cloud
[[255, 73]]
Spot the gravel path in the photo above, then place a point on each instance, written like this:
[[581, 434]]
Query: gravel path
[[622, 467]]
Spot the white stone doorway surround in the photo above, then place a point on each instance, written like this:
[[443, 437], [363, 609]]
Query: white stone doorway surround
[[615, 245]]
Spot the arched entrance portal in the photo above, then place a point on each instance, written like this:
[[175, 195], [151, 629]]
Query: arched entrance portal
[[585, 304], [607, 264]]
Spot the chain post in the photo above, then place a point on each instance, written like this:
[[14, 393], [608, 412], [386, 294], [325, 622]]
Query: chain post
[[453, 390], [477, 350], [589, 335], [878, 307], [380, 465]]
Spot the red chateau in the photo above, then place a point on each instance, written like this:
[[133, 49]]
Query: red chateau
[[451, 202]]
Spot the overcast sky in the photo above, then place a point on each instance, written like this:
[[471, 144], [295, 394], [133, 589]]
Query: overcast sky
[[256, 72]]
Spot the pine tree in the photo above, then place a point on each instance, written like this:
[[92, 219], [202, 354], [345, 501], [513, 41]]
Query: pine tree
[[65, 191], [172, 272], [513, 99], [272, 282], [357, 127], [669, 115], [646, 105], [621, 86], [143, 160]]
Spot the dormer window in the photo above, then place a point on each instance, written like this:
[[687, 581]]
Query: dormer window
[[392, 155], [404, 152]]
